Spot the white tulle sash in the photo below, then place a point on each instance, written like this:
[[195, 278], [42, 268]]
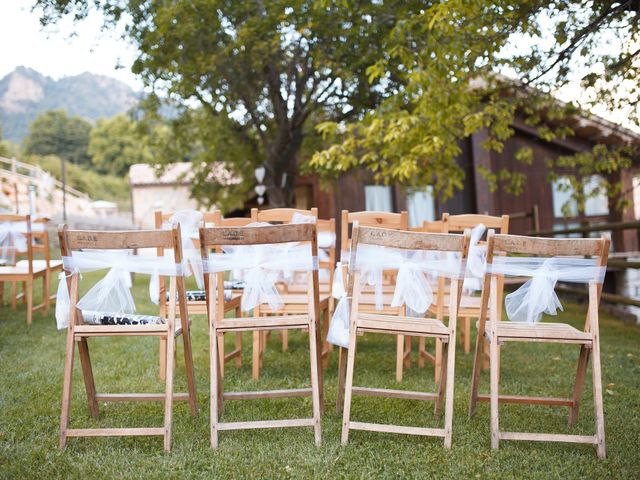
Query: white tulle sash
[[262, 266], [189, 221], [112, 293], [537, 295], [13, 238], [415, 269]]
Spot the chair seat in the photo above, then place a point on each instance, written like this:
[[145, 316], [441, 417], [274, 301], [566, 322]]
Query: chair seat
[[543, 331], [403, 325]]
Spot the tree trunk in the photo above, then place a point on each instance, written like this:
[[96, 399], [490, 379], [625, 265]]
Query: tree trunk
[[282, 169]]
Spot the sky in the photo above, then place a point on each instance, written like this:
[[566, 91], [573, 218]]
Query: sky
[[53, 52]]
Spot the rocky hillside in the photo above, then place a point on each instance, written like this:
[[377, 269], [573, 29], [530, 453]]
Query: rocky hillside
[[24, 93]]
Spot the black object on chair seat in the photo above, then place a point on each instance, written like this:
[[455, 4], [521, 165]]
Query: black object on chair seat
[[108, 318]]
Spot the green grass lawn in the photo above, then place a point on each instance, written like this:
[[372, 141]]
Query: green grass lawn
[[31, 365]]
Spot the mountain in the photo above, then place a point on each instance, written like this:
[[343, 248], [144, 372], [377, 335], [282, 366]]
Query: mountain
[[24, 93]]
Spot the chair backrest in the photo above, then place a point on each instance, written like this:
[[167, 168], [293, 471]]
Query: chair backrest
[[504, 244], [78, 240], [388, 220], [458, 223], [218, 237], [26, 230], [280, 215], [407, 240]]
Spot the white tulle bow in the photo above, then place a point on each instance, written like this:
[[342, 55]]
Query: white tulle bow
[[413, 289], [113, 292], [537, 295], [262, 266], [189, 221]]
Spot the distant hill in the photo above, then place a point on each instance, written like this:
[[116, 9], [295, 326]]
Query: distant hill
[[24, 93]]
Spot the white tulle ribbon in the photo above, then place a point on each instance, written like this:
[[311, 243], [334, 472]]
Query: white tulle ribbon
[[189, 221], [413, 289], [113, 292], [262, 267], [13, 238], [537, 295]]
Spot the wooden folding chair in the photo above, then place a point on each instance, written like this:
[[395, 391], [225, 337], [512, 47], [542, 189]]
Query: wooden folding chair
[[392, 221], [469, 305], [294, 295], [362, 321], [499, 331], [196, 303], [28, 270], [78, 333], [219, 324]]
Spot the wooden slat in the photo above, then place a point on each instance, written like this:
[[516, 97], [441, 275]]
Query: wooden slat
[[293, 392], [446, 242], [297, 422], [380, 427], [138, 397], [548, 246], [263, 323], [110, 330], [384, 392], [302, 232], [113, 432], [402, 324], [78, 239], [548, 437], [563, 402]]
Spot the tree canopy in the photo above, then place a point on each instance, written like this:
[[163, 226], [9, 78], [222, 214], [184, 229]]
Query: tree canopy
[[393, 86], [55, 133]]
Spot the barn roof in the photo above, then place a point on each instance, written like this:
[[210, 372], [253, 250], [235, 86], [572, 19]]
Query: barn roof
[[180, 173]]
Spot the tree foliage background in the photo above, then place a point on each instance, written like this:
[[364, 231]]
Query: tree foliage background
[[392, 86]]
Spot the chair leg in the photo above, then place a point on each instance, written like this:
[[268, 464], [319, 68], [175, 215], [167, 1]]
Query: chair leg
[[316, 385], [87, 373], [66, 389], [447, 377], [238, 346], [342, 372], [238, 340], [475, 376], [318, 359], [407, 351], [163, 359], [190, 371], [346, 414], [221, 353], [493, 368], [438, 360], [168, 398], [215, 380], [399, 357], [597, 397], [255, 365], [28, 293], [45, 295], [581, 373], [466, 327], [14, 295], [441, 386]]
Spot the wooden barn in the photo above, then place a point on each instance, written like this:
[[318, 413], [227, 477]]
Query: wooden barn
[[353, 192]]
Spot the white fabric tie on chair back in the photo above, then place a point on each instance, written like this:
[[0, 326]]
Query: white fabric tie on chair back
[[476, 260], [413, 289], [13, 238], [262, 266], [113, 293], [537, 295], [189, 221]]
